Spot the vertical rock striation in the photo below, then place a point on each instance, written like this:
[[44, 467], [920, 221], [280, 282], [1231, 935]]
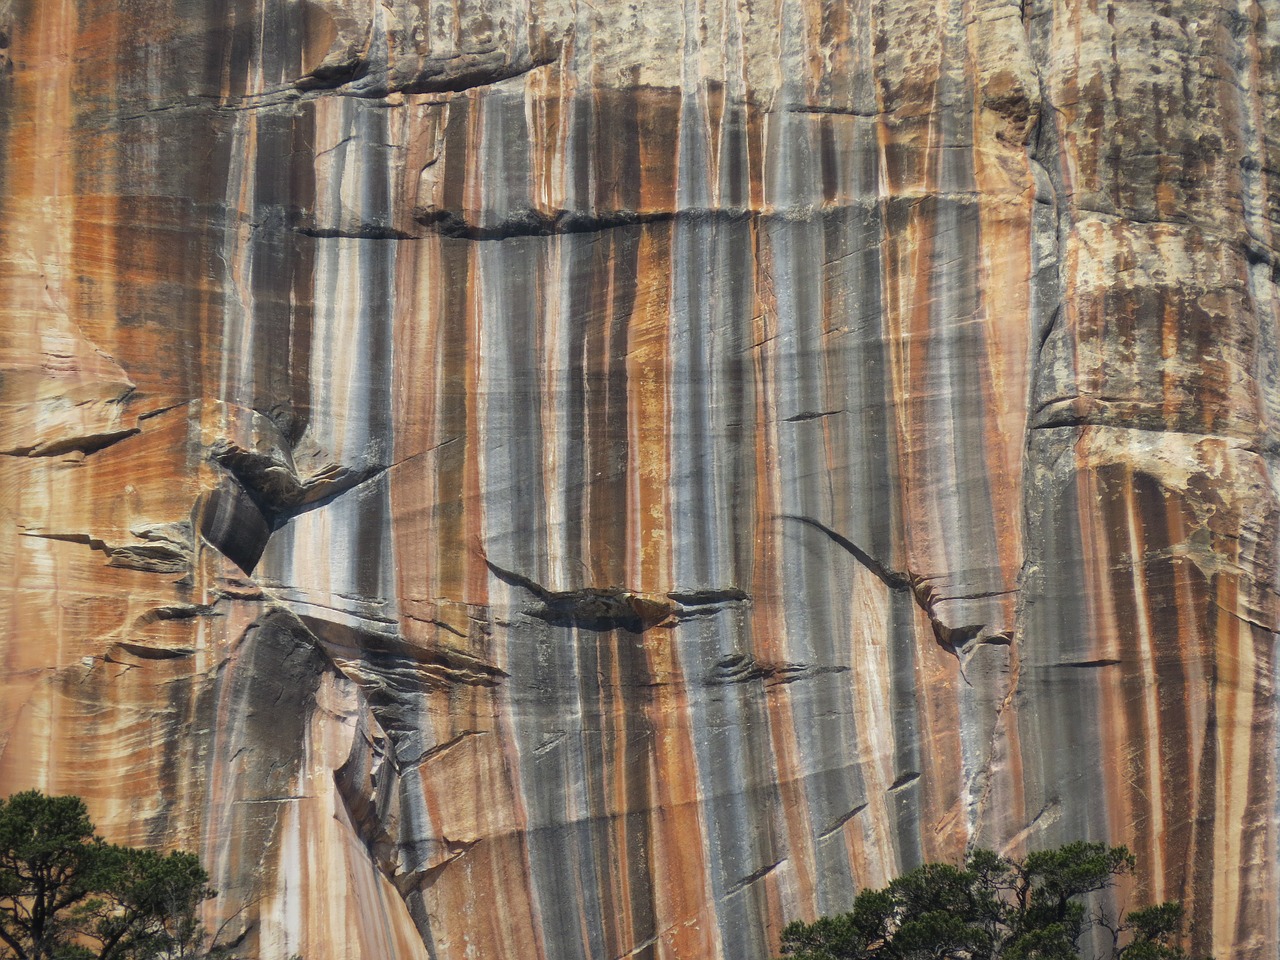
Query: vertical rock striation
[[529, 478]]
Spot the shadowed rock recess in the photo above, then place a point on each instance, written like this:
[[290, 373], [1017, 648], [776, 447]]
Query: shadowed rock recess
[[575, 481]]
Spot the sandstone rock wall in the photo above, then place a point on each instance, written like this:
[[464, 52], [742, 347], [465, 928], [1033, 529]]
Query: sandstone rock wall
[[594, 480]]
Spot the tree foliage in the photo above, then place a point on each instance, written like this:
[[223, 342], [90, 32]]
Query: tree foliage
[[994, 908], [67, 894]]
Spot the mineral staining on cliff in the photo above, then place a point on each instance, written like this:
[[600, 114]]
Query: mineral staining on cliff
[[586, 481]]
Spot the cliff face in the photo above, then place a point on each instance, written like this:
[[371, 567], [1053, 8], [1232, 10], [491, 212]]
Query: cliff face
[[571, 480]]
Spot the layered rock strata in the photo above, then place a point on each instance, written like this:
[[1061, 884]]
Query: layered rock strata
[[572, 480]]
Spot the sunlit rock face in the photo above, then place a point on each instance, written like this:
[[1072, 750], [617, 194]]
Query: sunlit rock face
[[582, 481]]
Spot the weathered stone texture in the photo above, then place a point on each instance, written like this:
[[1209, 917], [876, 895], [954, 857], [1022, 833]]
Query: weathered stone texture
[[570, 480]]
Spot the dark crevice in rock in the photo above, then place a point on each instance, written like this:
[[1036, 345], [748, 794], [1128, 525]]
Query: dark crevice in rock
[[82, 538], [1087, 664], [469, 80], [534, 223], [435, 622], [840, 821], [709, 597], [753, 877], [85, 443], [1058, 414], [371, 231], [289, 97], [811, 415], [550, 743], [354, 76], [890, 578], [396, 663], [330, 76], [979, 595], [177, 611], [211, 102], [746, 668], [349, 138], [538, 223], [684, 614], [322, 490], [700, 598], [1003, 639], [160, 410], [952, 638], [367, 619], [710, 602], [145, 651], [904, 780], [1258, 252], [826, 110], [591, 608]]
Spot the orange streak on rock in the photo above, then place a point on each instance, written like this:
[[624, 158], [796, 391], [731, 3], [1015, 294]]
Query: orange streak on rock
[[648, 524], [684, 920], [769, 622]]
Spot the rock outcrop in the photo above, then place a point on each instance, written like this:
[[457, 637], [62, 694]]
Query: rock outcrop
[[594, 480]]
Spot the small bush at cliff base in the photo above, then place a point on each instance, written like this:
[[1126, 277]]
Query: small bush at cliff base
[[66, 894], [994, 908]]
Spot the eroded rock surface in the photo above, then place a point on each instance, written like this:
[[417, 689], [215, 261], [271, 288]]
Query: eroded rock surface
[[571, 480]]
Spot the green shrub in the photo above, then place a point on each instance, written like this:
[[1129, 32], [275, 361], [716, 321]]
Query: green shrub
[[994, 908]]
